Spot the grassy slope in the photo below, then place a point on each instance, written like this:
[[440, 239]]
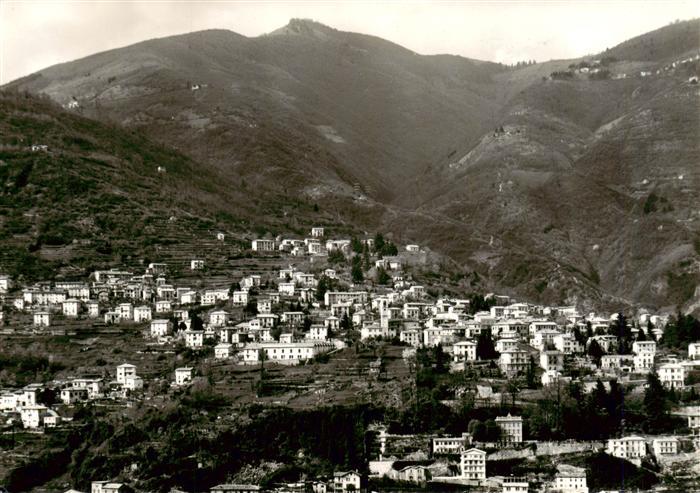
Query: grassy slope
[[96, 197]]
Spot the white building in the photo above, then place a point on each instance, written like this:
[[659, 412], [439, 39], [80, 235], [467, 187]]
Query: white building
[[515, 485], [514, 361], [450, 445], [163, 306], [672, 375], [196, 264], [317, 232], [552, 360], [511, 428], [125, 371], [240, 297], [570, 479], [464, 351], [665, 446], [126, 311], [263, 245], [183, 375], [223, 350], [133, 383], [194, 338], [142, 314], [317, 333], [42, 318], [632, 447], [218, 318], [472, 464], [347, 481], [33, 416], [285, 353], [160, 327], [694, 350], [93, 309], [70, 307]]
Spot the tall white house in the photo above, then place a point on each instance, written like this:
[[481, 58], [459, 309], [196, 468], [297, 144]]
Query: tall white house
[[473, 464], [511, 428]]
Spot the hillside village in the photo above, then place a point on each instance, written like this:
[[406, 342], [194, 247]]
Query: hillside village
[[491, 357]]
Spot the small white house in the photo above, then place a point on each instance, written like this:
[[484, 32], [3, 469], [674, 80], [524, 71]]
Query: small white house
[[125, 371], [194, 338], [218, 318], [160, 327], [33, 416], [133, 383], [672, 375], [665, 446], [163, 306], [93, 309], [196, 264], [142, 314], [263, 245], [42, 318], [70, 307], [183, 375], [317, 232], [223, 350], [126, 311], [347, 481]]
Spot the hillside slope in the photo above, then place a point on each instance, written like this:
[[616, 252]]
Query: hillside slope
[[565, 181], [98, 195]]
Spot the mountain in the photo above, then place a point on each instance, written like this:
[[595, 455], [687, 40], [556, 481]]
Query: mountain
[[566, 181], [77, 194]]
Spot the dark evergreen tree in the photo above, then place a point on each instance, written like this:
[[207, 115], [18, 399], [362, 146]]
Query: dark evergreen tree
[[595, 351], [485, 348], [655, 404]]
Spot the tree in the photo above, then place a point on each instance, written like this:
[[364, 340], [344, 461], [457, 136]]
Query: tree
[[336, 256], [650, 331], [485, 348], [378, 242], [321, 288], [595, 352], [478, 430], [251, 308], [196, 322], [234, 287], [356, 245], [345, 322], [681, 331], [356, 271], [641, 336], [655, 404], [276, 332], [383, 277], [531, 375]]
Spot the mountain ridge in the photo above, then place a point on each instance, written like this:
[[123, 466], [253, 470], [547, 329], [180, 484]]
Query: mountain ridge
[[474, 159]]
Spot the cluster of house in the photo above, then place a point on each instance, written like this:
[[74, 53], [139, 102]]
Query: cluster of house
[[525, 334], [25, 405], [471, 461]]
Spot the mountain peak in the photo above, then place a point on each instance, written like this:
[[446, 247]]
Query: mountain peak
[[305, 27]]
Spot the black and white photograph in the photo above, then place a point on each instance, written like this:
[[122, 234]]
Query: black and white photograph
[[349, 246]]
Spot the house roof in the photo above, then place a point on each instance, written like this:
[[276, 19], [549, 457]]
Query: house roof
[[341, 474], [236, 487]]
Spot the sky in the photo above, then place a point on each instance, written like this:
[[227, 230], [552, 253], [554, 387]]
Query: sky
[[35, 34]]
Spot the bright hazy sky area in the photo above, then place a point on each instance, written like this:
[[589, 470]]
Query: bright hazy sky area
[[37, 34]]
